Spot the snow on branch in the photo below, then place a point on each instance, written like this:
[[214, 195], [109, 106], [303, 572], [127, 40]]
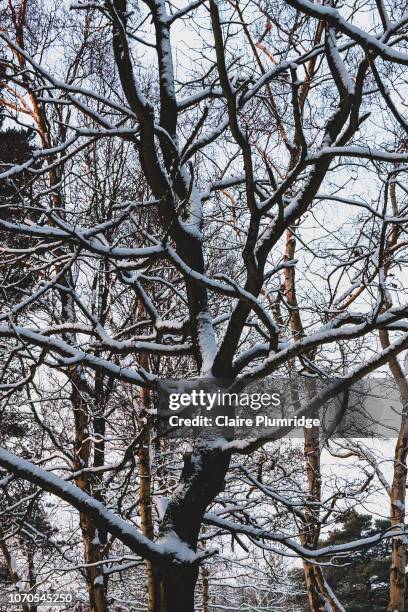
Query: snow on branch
[[165, 552]]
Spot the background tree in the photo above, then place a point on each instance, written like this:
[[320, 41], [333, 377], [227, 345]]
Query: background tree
[[362, 581]]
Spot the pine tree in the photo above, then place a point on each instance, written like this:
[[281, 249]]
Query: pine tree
[[16, 147], [360, 580]]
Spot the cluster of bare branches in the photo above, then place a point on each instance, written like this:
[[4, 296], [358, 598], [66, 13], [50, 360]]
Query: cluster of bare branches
[[204, 190]]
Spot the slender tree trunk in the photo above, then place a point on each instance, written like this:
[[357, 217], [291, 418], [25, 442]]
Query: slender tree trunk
[[317, 592], [310, 535], [398, 490], [31, 577], [91, 541], [145, 493], [11, 566], [206, 593], [312, 588], [397, 516]]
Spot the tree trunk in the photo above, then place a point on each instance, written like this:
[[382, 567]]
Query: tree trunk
[[11, 567], [398, 490], [310, 533], [314, 598], [145, 493], [206, 594], [202, 478], [91, 542], [31, 577], [318, 594], [177, 585], [397, 516]]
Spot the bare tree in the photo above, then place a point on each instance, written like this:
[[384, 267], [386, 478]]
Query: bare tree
[[178, 155]]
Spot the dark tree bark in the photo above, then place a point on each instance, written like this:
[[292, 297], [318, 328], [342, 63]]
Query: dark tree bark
[[201, 480]]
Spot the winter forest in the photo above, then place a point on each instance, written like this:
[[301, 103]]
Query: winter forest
[[201, 190]]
